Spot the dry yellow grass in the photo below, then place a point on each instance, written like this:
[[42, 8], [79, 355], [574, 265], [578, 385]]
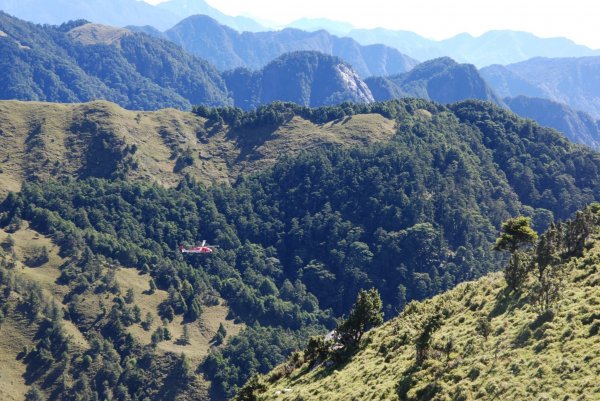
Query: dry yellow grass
[[201, 332], [46, 275], [15, 334], [49, 139], [93, 34]]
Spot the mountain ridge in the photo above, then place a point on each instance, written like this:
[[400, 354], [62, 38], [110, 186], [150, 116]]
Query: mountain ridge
[[572, 81], [69, 64], [442, 80], [229, 49], [412, 213]]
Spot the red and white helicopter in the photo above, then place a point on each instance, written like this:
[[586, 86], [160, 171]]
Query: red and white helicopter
[[197, 249]]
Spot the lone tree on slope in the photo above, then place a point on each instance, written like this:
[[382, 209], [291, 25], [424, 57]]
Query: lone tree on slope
[[517, 235], [365, 314]]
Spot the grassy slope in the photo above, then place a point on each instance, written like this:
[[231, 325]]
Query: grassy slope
[[559, 361], [17, 332], [33, 138]]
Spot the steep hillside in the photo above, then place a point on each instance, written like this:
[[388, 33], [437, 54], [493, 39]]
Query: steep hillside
[[307, 78], [36, 289], [508, 84], [492, 47], [412, 215], [572, 81], [477, 341], [578, 126], [442, 80], [82, 62], [228, 49], [100, 139]]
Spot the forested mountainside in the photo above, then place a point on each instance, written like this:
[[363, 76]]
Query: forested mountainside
[[228, 49], [578, 126], [412, 215], [307, 78], [481, 340], [442, 80], [573, 81], [80, 62]]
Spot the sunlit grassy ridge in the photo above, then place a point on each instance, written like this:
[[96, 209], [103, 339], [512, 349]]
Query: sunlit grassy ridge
[[527, 355], [101, 139]]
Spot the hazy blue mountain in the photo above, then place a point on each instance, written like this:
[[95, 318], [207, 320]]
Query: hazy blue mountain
[[109, 12], [407, 42], [572, 81], [576, 125], [442, 80], [80, 62], [340, 28], [384, 88], [307, 78], [229, 49], [186, 8], [507, 83], [493, 47], [148, 30]]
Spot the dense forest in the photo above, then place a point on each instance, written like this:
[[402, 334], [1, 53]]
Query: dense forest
[[411, 218], [78, 62]]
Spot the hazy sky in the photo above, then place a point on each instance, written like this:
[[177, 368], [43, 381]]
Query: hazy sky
[[576, 19]]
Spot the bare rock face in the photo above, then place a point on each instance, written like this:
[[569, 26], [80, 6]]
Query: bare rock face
[[355, 84], [308, 78]]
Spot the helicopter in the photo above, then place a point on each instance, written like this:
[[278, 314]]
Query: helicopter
[[203, 249]]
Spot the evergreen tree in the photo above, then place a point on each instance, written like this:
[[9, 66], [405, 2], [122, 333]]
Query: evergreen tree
[[185, 336], [365, 314], [148, 320], [152, 287], [34, 394], [517, 235], [220, 335], [129, 296], [195, 310], [423, 342], [484, 326]]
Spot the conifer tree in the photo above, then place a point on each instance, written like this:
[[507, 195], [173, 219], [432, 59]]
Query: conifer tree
[[517, 235], [423, 342], [366, 314]]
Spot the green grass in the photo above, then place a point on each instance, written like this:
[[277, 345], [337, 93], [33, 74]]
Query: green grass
[[555, 356]]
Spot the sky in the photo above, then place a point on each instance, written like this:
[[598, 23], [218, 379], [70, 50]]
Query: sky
[[578, 20]]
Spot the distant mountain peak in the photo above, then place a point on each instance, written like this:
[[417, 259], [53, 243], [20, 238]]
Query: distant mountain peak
[[316, 24], [228, 49], [442, 80], [308, 78]]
